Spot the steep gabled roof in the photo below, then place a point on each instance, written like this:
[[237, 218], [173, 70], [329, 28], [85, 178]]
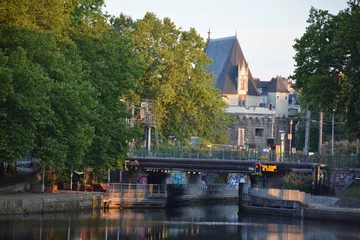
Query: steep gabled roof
[[278, 84], [227, 55]]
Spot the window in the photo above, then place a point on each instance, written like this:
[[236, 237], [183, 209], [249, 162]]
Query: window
[[241, 100], [259, 132]]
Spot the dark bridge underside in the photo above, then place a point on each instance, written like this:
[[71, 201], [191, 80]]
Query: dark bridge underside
[[221, 165]]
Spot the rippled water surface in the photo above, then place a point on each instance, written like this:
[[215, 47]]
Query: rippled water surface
[[201, 222]]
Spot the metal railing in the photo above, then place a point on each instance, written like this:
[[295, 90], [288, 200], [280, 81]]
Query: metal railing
[[352, 160], [128, 191], [202, 189], [135, 191]]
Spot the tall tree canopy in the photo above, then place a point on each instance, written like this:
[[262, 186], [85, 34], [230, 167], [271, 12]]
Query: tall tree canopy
[[63, 73], [327, 63], [186, 100]]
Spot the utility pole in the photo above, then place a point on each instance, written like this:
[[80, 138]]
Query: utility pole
[[290, 137], [332, 134], [320, 132], [273, 125], [307, 132]]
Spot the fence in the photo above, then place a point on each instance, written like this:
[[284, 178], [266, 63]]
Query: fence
[[117, 191], [202, 190], [139, 192]]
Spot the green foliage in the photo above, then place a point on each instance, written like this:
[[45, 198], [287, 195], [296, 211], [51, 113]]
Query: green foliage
[[327, 59], [186, 100], [340, 147], [113, 68], [64, 73], [352, 191], [301, 182], [23, 99]]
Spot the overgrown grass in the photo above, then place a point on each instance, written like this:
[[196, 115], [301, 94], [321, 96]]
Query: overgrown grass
[[352, 191]]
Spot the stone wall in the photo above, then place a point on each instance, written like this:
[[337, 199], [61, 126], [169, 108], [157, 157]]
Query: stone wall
[[278, 194], [29, 204], [258, 128]]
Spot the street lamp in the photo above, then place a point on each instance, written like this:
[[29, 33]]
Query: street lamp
[[282, 146]]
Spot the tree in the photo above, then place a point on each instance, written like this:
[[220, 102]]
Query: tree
[[23, 98], [64, 76], [327, 59], [113, 69], [186, 100]]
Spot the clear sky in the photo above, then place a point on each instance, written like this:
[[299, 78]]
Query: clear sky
[[266, 29]]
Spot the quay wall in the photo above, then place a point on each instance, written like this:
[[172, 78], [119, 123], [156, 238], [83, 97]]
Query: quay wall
[[45, 204], [281, 202]]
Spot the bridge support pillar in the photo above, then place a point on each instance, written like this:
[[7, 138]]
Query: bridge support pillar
[[316, 174], [240, 193]]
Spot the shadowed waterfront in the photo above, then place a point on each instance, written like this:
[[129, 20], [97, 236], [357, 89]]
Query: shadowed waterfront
[[200, 222]]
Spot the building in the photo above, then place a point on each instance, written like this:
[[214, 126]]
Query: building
[[260, 110]]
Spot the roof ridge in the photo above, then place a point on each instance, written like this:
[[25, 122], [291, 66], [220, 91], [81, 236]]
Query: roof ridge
[[223, 38]]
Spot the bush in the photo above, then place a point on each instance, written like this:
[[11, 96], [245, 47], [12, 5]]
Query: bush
[[301, 182]]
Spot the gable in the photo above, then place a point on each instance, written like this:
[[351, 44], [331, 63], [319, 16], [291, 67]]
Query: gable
[[227, 56]]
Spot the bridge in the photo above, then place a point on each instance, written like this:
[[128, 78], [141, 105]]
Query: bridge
[[240, 161], [351, 161]]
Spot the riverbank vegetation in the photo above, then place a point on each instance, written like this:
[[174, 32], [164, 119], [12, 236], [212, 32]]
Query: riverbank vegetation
[[327, 62], [70, 75]]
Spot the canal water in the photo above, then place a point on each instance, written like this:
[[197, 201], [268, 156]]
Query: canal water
[[200, 222]]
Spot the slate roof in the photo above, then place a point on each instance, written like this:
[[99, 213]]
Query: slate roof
[[264, 85], [278, 84], [226, 55]]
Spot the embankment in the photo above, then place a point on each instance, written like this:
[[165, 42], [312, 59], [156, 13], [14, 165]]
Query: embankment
[[49, 202]]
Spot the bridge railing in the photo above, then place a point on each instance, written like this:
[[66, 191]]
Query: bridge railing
[[194, 153], [331, 161], [243, 154]]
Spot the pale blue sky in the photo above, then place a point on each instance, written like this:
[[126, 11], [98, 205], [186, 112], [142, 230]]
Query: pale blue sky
[[266, 29]]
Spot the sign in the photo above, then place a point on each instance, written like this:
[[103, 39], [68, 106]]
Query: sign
[[268, 168], [277, 149], [289, 136], [293, 150], [282, 136]]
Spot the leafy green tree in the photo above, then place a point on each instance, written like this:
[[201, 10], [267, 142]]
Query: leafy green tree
[[76, 71], [41, 14], [113, 68], [62, 131], [327, 58], [23, 98], [186, 100]]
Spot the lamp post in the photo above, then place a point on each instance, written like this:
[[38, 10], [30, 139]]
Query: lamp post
[[332, 134], [282, 146], [273, 125], [290, 136]]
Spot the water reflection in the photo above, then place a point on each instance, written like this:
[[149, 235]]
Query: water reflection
[[206, 222]]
